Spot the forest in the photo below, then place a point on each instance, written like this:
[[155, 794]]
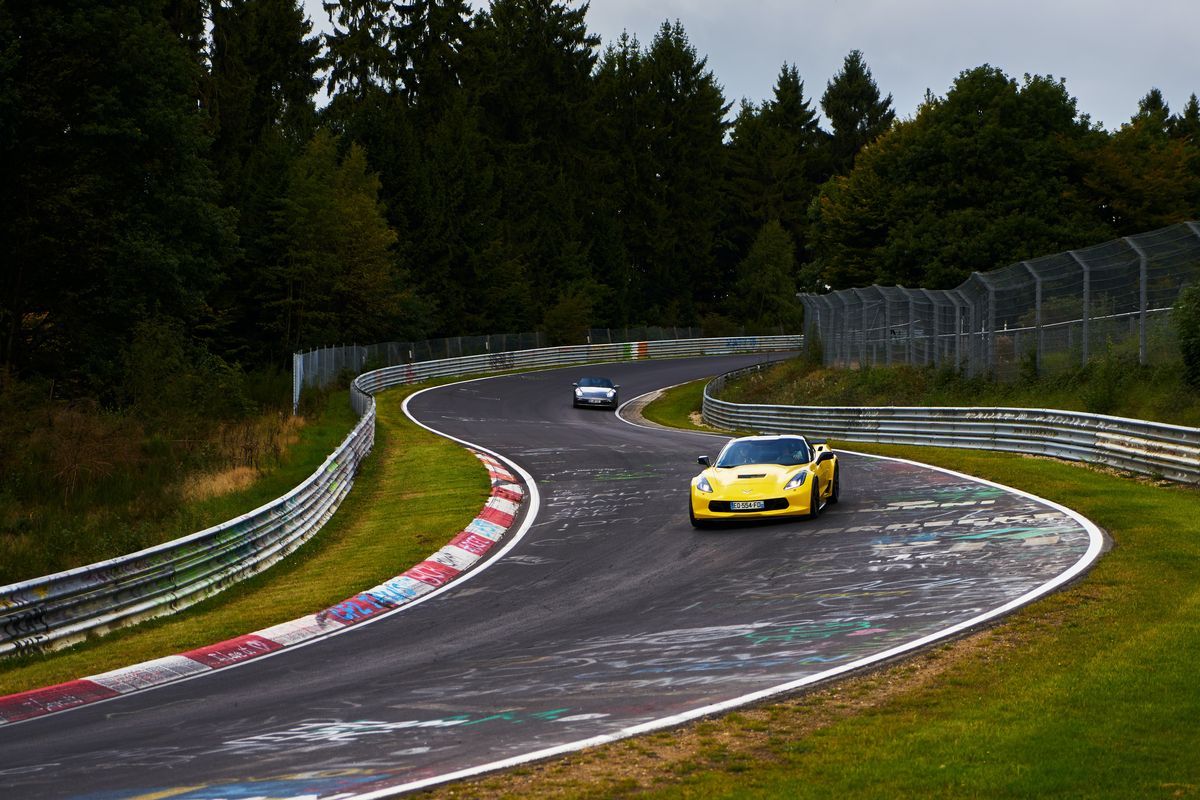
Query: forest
[[193, 189]]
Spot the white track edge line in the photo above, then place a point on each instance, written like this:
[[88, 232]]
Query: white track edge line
[[1096, 541]]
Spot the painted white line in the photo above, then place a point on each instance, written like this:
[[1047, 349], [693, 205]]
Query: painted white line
[[1096, 542]]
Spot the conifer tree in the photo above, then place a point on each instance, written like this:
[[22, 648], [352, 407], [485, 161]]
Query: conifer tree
[[855, 109], [529, 74], [686, 121], [109, 211]]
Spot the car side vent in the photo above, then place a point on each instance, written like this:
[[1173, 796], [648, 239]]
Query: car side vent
[[763, 475]]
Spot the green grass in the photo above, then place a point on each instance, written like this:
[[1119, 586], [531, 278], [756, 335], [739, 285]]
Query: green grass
[[1092, 692], [413, 493], [675, 406], [40, 535]]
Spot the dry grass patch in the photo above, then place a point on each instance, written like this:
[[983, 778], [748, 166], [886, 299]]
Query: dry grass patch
[[218, 484]]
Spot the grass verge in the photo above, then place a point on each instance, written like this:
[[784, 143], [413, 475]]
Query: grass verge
[[410, 497], [1091, 692], [678, 407]]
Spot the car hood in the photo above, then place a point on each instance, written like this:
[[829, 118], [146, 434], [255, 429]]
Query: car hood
[[593, 391], [757, 478]]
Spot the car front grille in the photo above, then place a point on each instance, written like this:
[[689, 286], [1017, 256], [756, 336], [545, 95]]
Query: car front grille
[[773, 504]]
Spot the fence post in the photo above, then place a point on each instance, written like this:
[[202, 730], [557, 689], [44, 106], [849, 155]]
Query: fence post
[[829, 334], [297, 377], [846, 334], [1037, 305], [887, 326], [862, 325], [912, 352], [974, 340], [958, 326], [1087, 301], [1143, 270]]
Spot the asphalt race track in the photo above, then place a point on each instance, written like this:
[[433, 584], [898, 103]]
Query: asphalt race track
[[608, 615]]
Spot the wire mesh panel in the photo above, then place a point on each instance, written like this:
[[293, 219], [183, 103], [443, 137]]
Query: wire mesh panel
[[1045, 315]]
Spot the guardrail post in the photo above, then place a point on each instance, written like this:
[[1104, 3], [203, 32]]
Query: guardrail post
[[1143, 270]]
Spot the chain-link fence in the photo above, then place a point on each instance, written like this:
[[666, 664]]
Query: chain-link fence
[[1048, 314], [323, 366]]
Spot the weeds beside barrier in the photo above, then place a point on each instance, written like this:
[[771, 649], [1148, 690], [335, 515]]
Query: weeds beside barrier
[[1149, 448]]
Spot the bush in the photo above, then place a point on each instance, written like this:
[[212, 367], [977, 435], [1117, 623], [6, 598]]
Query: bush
[[814, 349], [1187, 325]]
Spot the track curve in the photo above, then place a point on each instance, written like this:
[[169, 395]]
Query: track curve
[[608, 616]]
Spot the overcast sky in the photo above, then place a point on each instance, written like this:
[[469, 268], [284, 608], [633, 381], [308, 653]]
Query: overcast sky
[[1111, 52]]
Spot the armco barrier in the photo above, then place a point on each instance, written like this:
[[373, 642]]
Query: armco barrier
[[1150, 448], [370, 382], [61, 609], [470, 545]]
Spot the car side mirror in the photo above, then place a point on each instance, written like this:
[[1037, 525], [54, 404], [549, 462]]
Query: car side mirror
[[703, 461], [825, 456], [616, 386], [575, 385]]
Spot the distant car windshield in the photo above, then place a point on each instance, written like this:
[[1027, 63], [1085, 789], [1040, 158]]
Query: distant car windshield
[[596, 383], [786, 452]]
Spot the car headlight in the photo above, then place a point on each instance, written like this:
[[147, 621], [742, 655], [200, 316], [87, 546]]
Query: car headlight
[[612, 393], [703, 485], [579, 392], [797, 480]]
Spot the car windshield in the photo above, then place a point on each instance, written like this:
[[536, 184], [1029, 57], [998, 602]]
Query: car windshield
[[596, 383], [786, 452]]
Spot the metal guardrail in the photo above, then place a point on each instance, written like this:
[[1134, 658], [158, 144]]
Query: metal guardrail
[[1149, 448], [370, 382], [61, 609]]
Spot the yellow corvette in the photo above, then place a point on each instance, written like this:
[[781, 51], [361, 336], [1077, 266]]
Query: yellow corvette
[[764, 477]]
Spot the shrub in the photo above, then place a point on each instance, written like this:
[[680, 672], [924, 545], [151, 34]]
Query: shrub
[[1187, 325]]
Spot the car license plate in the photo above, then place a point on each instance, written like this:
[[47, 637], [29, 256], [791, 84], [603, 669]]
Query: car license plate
[[597, 401], [747, 505]]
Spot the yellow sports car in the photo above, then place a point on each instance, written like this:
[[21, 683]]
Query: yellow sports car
[[764, 477]]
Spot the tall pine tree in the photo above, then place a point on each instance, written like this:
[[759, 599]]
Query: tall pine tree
[[855, 109], [686, 121], [109, 212]]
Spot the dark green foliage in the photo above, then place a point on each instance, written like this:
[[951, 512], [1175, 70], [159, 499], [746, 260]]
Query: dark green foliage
[[766, 282], [856, 110], [339, 279], [109, 211], [777, 160], [990, 174], [1147, 174], [163, 164], [1187, 325], [685, 133]]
